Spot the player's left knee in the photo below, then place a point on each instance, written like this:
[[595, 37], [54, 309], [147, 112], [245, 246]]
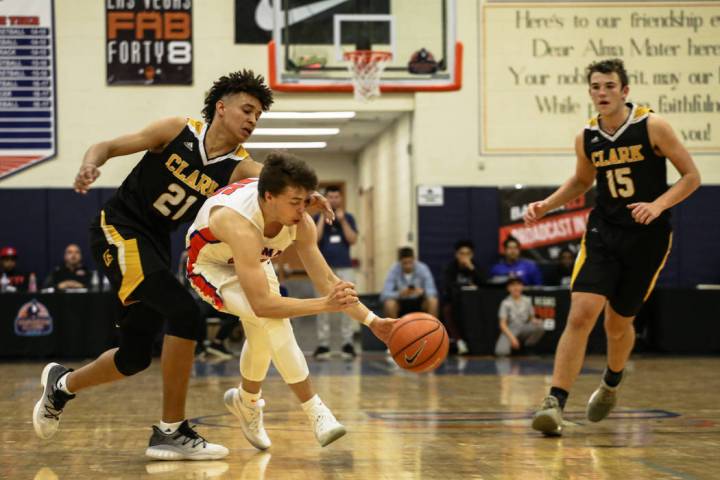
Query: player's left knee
[[184, 318], [617, 325], [286, 354]]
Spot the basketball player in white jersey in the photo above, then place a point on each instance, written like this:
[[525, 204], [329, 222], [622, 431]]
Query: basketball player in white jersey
[[230, 246]]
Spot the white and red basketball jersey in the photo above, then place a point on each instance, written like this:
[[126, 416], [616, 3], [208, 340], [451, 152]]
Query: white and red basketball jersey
[[210, 261]]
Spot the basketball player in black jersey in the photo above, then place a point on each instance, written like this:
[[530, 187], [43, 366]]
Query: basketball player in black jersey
[[628, 238], [185, 162]]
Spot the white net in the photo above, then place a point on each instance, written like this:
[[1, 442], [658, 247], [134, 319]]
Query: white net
[[366, 68]]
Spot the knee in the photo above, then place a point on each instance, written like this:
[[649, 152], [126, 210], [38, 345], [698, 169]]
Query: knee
[[580, 322], [616, 329], [130, 360], [184, 318], [582, 317]]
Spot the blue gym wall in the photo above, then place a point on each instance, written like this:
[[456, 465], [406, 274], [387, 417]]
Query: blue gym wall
[[41, 222]]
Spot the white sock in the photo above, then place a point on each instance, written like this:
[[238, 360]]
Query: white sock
[[312, 404], [169, 428], [62, 384], [249, 399]]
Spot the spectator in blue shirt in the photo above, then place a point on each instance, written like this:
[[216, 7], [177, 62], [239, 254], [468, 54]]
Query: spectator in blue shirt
[[409, 287], [512, 266], [334, 241]]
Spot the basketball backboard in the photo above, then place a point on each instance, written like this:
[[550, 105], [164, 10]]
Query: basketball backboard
[[312, 37]]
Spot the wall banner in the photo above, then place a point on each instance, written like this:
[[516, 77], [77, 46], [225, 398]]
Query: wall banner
[[149, 42], [560, 228], [28, 128]]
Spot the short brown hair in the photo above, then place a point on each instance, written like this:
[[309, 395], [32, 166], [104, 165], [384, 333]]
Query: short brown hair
[[283, 169], [608, 66]]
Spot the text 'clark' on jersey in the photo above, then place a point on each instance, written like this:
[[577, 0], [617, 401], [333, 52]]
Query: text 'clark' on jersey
[[167, 188], [628, 169]]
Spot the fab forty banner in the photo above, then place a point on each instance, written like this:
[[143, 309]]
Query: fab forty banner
[[149, 42]]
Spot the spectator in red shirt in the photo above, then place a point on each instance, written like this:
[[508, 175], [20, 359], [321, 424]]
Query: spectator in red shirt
[[16, 281]]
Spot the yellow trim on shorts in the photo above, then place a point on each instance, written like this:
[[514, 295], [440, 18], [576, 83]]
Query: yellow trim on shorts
[[579, 261], [657, 273], [128, 259]]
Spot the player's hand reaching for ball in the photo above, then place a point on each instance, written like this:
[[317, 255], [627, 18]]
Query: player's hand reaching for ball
[[535, 211], [87, 174], [382, 327], [342, 296]]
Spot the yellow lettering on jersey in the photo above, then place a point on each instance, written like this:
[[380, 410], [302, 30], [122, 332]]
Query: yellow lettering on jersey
[[191, 180], [174, 158], [636, 153], [178, 172], [205, 183], [617, 156], [613, 157], [624, 153]]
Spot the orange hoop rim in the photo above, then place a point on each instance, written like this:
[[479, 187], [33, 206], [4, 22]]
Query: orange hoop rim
[[367, 55]]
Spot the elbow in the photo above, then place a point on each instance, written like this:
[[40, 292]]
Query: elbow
[[585, 185], [260, 307], [695, 180]]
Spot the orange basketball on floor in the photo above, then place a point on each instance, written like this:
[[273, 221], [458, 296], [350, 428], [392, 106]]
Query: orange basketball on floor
[[418, 342]]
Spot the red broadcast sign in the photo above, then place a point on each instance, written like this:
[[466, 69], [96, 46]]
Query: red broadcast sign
[[561, 228]]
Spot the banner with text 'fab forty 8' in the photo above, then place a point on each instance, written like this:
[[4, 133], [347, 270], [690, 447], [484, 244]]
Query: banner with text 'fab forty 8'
[[149, 42], [28, 127]]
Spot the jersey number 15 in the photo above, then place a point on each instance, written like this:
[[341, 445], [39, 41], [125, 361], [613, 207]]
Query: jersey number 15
[[620, 183]]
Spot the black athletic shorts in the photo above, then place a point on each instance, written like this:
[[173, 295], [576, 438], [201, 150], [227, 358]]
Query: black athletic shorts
[[127, 251], [621, 263]]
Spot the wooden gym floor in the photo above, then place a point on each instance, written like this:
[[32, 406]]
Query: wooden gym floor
[[470, 420]]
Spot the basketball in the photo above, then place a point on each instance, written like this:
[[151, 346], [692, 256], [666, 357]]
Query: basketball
[[418, 342]]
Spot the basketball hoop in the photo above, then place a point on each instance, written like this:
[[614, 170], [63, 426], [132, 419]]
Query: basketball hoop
[[366, 67]]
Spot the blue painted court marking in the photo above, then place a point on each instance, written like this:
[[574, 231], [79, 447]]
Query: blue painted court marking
[[376, 364], [449, 420], [473, 417]]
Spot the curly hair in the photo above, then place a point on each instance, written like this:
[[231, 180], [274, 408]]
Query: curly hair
[[283, 169], [235, 82], [608, 66]]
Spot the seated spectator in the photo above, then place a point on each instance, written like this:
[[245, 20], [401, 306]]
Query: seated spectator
[[512, 266], [461, 272], [518, 324], [561, 273], [71, 274], [409, 287], [11, 279]]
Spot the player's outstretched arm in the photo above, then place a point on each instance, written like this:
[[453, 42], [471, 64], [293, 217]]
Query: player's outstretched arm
[[324, 279], [666, 143], [155, 136], [246, 244], [573, 187]]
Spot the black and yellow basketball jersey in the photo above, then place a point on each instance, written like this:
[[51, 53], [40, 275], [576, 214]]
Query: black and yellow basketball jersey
[[628, 169], [167, 188]]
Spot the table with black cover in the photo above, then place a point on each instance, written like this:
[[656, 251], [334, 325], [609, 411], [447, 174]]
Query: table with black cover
[[59, 325]]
